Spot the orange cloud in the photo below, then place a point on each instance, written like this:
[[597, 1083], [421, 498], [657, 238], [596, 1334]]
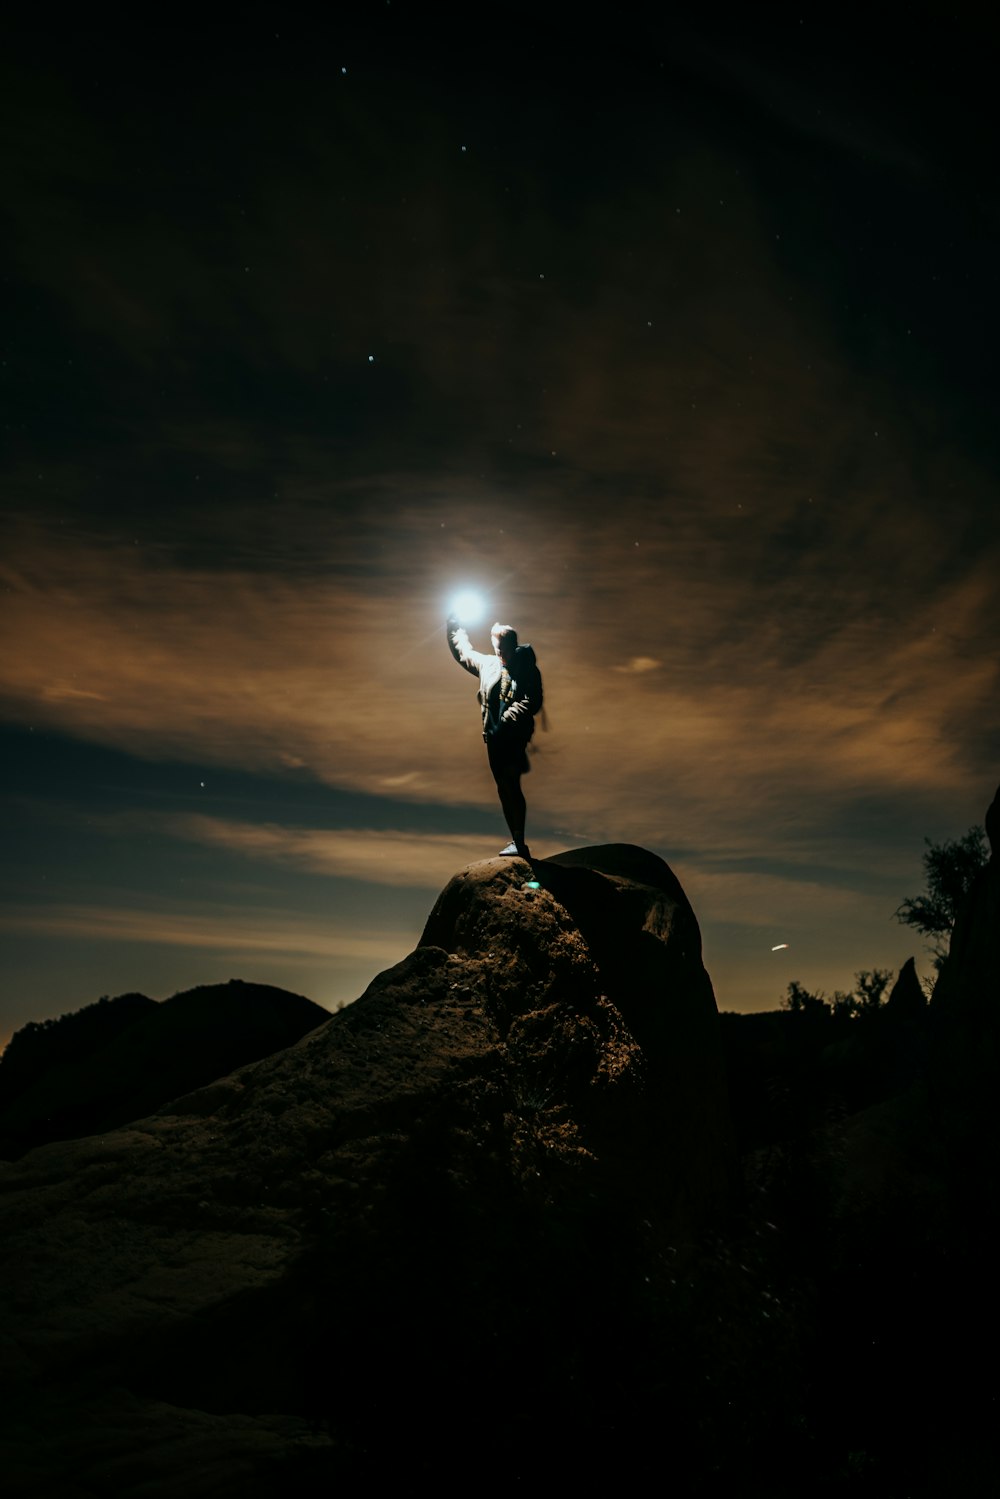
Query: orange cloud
[[638, 664], [426, 860], [249, 931], [740, 723]]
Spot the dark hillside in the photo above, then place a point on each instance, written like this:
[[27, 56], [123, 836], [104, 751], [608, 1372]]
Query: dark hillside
[[120, 1059], [41, 1045]]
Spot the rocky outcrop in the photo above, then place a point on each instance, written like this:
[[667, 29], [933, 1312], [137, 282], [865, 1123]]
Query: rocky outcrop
[[964, 1052], [457, 1195], [909, 1281], [968, 987], [907, 1001], [603, 961]]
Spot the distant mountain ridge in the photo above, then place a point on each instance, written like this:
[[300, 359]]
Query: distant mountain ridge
[[119, 1059], [41, 1044]]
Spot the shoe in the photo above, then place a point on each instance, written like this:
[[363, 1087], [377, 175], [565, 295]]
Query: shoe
[[515, 851]]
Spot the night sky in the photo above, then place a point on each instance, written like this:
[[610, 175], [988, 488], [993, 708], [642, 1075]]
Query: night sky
[[680, 344]]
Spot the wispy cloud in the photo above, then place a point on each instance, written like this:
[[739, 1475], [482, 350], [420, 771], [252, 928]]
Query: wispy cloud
[[426, 860], [728, 546], [745, 721], [767, 900], [249, 931], [638, 664]]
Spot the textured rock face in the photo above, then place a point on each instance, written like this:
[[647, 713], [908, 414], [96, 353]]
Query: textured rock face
[[907, 1000], [514, 1126], [964, 1057], [968, 989], [603, 961]]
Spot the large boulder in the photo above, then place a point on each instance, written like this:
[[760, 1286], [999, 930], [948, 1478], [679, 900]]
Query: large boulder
[[590, 968], [454, 1195], [964, 1053], [968, 988]]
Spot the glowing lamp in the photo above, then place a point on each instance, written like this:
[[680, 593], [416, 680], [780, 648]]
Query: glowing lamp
[[467, 607]]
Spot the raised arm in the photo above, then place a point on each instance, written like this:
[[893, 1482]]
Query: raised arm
[[461, 647]]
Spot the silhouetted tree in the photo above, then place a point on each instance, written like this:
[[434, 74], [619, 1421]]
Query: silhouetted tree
[[870, 986], [950, 869], [801, 1002], [869, 992]]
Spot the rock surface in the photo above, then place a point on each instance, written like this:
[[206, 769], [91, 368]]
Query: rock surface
[[450, 1196], [964, 1054], [968, 987], [907, 1000]]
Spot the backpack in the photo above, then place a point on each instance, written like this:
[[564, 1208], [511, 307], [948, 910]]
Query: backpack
[[528, 677]]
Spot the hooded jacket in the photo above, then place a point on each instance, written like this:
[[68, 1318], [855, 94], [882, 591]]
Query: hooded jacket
[[513, 716]]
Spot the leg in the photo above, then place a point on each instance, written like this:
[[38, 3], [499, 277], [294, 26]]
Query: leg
[[513, 805]]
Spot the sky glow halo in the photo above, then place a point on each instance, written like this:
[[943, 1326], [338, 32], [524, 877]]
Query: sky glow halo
[[468, 607]]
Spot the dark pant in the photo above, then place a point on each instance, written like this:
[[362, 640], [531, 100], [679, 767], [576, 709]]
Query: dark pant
[[508, 762]]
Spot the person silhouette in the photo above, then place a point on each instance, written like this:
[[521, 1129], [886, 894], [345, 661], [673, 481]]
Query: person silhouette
[[510, 694]]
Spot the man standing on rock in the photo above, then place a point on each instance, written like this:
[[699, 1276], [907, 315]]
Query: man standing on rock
[[510, 694]]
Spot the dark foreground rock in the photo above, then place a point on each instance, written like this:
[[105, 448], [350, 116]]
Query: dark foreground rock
[[905, 1227], [964, 1061], [440, 1236]]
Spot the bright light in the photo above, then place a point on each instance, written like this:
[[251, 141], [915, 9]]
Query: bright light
[[467, 607], [779, 947]]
